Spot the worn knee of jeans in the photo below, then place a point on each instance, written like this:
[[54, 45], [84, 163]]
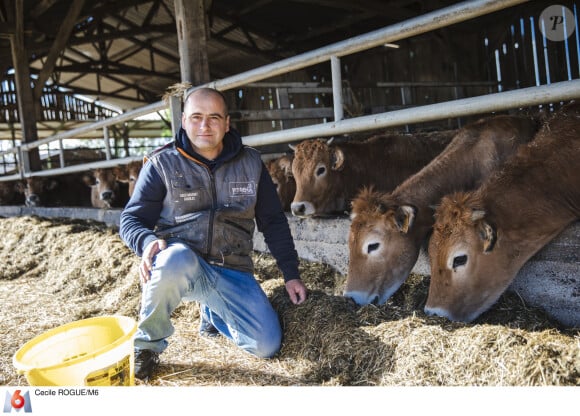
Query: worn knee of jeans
[[268, 346], [170, 272], [175, 261]]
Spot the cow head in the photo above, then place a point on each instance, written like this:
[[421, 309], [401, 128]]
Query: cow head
[[35, 189], [128, 174], [383, 247], [280, 170], [316, 169], [104, 187], [469, 271]]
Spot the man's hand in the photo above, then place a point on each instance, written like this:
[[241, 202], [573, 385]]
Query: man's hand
[[296, 290], [146, 264]]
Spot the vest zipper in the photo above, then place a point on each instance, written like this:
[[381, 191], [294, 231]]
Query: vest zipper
[[211, 212], [209, 240]]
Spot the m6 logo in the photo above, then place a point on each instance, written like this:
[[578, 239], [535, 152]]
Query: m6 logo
[[17, 402]]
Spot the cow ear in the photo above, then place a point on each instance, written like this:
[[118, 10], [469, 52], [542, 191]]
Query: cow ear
[[337, 159], [88, 179], [121, 174], [405, 217], [286, 166], [488, 234]]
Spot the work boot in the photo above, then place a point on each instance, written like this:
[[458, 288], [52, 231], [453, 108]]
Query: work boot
[[206, 328], [146, 361]]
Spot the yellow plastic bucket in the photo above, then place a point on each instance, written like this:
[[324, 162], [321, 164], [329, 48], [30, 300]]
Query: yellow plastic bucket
[[90, 352]]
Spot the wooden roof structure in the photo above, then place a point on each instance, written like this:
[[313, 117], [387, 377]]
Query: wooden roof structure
[[125, 53], [78, 61]]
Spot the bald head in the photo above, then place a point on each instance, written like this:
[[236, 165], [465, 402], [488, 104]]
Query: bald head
[[205, 93]]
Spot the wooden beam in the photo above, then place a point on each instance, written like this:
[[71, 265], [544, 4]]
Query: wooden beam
[[112, 68], [190, 17], [41, 7], [26, 104], [57, 47]]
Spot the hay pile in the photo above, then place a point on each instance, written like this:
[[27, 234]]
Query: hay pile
[[58, 271]]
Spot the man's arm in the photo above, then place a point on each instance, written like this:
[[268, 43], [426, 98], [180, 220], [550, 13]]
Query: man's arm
[[272, 222], [141, 213]]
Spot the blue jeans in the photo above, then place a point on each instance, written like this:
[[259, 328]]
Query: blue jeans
[[233, 301]]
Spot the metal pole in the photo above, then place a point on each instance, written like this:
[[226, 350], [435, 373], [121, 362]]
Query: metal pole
[[60, 154], [107, 143], [561, 91], [128, 116], [336, 88]]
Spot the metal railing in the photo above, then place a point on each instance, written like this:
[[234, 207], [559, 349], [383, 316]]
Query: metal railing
[[428, 22]]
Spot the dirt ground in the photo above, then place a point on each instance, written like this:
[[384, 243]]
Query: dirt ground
[[56, 271]]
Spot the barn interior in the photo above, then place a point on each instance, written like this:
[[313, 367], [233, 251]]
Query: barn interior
[[77, 62], [69, 66]]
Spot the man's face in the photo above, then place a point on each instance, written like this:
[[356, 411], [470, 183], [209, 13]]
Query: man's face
[[205, 121]]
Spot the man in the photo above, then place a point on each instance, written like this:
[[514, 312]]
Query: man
[[191, 220]]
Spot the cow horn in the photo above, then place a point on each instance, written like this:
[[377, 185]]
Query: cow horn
[[329, 141], [488, 234], [405, 217], [477, 215]]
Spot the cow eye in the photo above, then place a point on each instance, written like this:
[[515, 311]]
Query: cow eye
[[372, 247], [459, 261], [320, 171]]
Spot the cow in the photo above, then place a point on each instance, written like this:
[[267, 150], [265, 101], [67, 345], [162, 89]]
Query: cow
[[389, 229], [280, 170], [128, 174], [329, 174], [9, 194], [106, 191], [65, 190], [482, 238]]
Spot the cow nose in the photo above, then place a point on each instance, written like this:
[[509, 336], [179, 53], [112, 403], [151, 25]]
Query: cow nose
[[107, 195], [298, 209], [33, 200]]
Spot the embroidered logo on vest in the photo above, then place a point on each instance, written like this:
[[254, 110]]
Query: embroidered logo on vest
[[242, 189], [188, 196]]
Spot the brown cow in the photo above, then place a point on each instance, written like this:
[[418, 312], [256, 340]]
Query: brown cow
[[482, 238], [106, 191], [66, 190], [328, 175], [128, 174], [388, 229], [9, 193], [281, 172]]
